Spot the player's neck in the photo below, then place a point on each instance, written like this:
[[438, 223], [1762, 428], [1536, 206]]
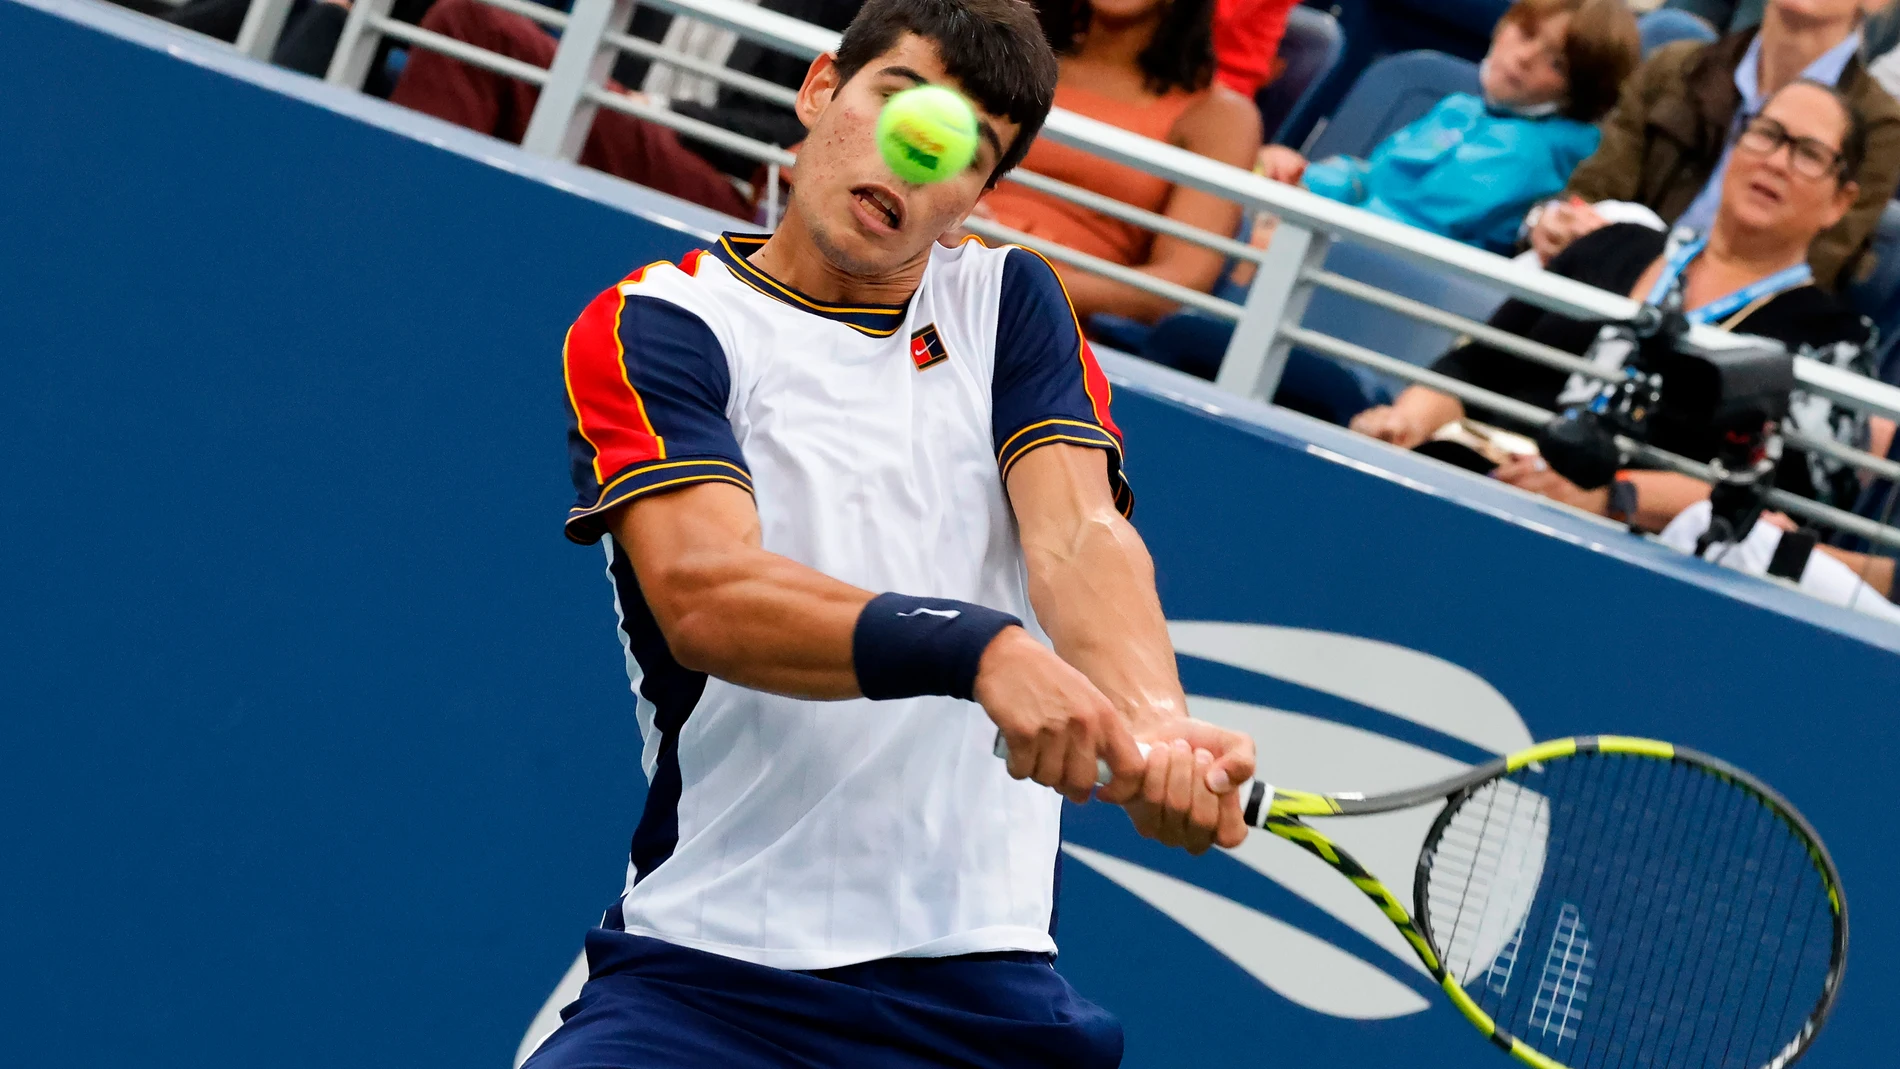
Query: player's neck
[[1790, 43], [792, 257]]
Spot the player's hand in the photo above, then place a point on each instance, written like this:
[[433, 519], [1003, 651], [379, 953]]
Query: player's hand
[[1056, 722], [1190, 793], [1388, 424]]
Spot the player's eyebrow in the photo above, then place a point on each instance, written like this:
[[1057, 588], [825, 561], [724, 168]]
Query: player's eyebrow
[[989, 132]]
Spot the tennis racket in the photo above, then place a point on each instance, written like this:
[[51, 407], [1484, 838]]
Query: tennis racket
[[1603, 901]]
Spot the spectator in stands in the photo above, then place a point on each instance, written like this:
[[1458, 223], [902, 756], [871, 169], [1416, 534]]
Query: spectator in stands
[[1668, 140], [744, 113], [1247, 37], [1788, 180], [1472, 167], [1146, 66], [310, 39], [495, 104]]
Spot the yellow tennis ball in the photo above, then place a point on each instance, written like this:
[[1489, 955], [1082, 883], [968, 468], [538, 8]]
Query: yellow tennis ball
[[927, 133]]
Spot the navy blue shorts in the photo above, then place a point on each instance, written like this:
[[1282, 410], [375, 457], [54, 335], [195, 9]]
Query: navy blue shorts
[[651, 1004]]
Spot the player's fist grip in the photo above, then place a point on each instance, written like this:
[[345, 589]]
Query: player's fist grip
[[1058, 726]]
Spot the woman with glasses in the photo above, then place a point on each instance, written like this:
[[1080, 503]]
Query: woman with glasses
[[1787, 182], [1667, 142]]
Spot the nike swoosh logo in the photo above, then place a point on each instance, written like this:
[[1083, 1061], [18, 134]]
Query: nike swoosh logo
[[948, 614]]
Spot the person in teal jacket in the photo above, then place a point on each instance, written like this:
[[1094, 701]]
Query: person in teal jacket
[[1471, 168]]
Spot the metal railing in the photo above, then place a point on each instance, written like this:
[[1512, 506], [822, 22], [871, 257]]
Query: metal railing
[[1267, 325]]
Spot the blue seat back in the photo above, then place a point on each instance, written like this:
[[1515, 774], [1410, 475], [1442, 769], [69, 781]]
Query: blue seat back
[[1309, 52], [1471, 18], [1393, 92], [1877, 296], [1388, 332], [1667, 26]]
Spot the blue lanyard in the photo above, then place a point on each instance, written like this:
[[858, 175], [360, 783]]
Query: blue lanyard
[[1680, 256]]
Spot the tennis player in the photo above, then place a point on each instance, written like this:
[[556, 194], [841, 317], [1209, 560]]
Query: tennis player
[[856, 484]]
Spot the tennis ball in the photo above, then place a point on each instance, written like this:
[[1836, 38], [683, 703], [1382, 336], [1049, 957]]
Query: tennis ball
[[927, 133]]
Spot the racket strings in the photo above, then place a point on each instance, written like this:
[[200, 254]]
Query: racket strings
[[1614, 910], [1477, 864], [1670, 931]]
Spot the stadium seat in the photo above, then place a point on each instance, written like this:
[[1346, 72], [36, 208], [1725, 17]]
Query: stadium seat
[[1659, 28], [1474, 18], [1877, 295], [1391, 93], [1309, 53]]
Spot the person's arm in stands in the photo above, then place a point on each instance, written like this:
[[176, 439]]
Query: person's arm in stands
[[1832, 251], [1660, 495], [1876, 572], [1419, 411], [1223, 127]]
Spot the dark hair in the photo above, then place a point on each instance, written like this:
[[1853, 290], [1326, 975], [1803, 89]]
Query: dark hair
[[993, 48], [1853, 139], [1179, 56], [1601, 48]]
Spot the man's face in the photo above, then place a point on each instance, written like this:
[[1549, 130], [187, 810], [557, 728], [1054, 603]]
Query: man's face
[[868, 222]]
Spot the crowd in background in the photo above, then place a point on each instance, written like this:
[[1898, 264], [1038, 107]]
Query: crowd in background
[[1752, 158]]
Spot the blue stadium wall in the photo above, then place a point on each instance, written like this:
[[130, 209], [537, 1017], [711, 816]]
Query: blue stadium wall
[[315, 747]]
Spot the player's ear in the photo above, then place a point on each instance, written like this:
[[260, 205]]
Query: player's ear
[[821, 84]]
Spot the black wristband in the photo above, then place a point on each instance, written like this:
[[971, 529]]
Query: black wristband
[[904, 647], [1623, 502], [1791, 554]]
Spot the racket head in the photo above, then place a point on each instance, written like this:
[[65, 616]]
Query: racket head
[[1602, 901]]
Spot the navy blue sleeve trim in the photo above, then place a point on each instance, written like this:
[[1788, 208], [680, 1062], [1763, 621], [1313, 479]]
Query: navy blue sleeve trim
[[1047, 387]]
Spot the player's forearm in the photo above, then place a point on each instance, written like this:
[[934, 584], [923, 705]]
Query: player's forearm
[[1093, 590], [759, 620]]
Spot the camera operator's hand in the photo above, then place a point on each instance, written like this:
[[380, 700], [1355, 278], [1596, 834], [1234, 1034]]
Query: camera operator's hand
[[1388, 423], [1533, 473]]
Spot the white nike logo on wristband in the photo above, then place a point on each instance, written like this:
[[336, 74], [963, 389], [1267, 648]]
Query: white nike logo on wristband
[[948, 614]]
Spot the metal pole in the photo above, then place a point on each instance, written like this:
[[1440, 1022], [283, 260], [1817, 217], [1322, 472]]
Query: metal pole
[[263, 26], [1257, 353], [356, 48], [565, 112]]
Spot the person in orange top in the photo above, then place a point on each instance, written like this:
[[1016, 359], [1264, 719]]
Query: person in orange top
[[1146, 66]]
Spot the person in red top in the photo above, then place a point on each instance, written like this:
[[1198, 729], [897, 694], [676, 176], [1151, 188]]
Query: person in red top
[[1247, 36]]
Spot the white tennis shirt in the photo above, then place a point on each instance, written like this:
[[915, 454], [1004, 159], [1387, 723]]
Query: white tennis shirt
[[874, 440]]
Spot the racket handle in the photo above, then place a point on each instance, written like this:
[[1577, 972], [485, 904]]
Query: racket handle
[[1256, 795], [1103, 774]]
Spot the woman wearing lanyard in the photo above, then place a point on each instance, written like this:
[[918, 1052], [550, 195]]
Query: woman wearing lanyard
[[1786, 184]]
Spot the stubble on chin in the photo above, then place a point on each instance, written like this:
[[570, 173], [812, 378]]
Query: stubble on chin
[[839, 257]]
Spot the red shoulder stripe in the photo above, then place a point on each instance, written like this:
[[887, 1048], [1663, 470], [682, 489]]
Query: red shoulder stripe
[[1096, 384], [608, 411]]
